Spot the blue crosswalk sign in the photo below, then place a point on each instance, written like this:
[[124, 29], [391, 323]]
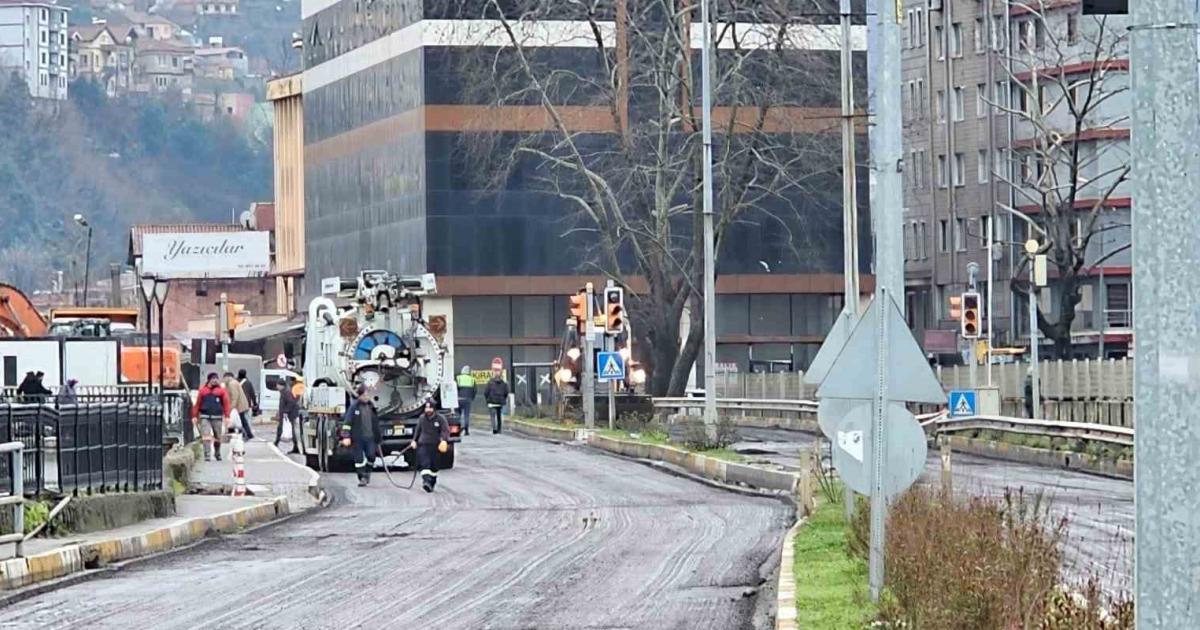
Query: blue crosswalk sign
[[963, 403], [612, 366]]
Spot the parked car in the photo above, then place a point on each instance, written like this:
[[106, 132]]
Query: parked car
[[268, 392]]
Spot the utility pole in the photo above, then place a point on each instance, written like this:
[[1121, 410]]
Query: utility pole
[[849, 200], [1035, 366], [222, 331], [887, 198], [710, 272], [589, 358], [1166, 239]]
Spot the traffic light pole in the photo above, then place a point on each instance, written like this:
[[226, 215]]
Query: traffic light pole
[[223, 332], [589, 359], [610, 345]]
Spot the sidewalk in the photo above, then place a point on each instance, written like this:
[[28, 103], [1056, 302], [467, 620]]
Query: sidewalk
[[269, 473]]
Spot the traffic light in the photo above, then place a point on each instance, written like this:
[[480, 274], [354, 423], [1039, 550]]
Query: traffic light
[[579, 310], [614, 310], [235, 316], [955, 307], [972, 323]]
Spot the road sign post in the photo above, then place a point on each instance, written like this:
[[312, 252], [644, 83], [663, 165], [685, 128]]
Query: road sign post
[[589, 373], [1166, 238]]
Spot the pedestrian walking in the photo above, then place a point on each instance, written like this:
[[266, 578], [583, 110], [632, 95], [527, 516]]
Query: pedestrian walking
[[289, 412], [250, 392], [210, 415], [496, 396], [67, 395], [466, 395], [431, 438], [239, 403], [361, 433]]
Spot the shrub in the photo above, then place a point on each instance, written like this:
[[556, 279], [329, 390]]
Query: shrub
[[974, 563]]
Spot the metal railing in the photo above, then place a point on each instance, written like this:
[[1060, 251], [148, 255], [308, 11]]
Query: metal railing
[[934, 420], [10, 543], [97, 444]]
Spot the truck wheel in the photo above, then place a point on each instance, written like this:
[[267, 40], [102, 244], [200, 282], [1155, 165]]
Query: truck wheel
[[446, 460]]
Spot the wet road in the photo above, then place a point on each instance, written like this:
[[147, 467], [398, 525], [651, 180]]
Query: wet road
[[583, 540], [1099, 509]]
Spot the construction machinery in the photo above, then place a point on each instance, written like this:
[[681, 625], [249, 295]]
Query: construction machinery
[[375, 330], [18, 317]]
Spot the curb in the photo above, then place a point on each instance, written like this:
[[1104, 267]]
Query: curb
[[1064, 460], [556, 434], [21, 572], [730, 473], [314, 477], [785, 604]]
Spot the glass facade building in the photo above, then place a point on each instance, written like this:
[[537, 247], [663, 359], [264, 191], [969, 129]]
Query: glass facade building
[[396, 178]]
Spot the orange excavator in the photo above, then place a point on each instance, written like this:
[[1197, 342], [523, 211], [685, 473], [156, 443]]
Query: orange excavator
[[18, 317]]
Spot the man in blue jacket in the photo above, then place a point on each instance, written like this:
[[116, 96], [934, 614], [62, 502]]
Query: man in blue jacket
[[360, 431]]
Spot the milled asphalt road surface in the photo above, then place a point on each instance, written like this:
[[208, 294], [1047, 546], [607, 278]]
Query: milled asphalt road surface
[[1099, 509], [520, 535]]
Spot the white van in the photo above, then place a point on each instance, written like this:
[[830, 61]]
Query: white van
[[268, 389]]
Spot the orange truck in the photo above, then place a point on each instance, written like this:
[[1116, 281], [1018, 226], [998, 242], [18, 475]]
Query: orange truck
[[137, 365]]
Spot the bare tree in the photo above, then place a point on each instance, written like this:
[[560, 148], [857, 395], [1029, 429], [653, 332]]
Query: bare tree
[[617, 141], [1071, 153]]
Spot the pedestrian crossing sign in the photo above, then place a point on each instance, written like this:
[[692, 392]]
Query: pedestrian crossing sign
[[612, 366], [963, 403]]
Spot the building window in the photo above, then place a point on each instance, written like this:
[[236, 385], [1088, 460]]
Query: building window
[[985, 224], [981, 100], [45, 36], [910, 34], [980, 36], [45, 58], [956, 40], [922, 248], [921, 96], [920, 27], [960, 166], [939, 43], [960, 235], [1021, 98], [983, 170], [958, 104], [940, 106], [45, 15], [62, 17], [941, 171], [943, 236], [1000, 95], [1072, 28]]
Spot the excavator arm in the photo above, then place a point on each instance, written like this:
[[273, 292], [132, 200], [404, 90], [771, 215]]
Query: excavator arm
[[18, 317]]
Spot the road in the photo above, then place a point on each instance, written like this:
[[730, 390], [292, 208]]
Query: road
[[579, 540], [1099, 509]]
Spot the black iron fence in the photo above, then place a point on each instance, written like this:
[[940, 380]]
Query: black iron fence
[[101, 442]]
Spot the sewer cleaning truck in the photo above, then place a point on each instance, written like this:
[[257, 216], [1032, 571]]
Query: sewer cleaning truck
[[375, 330]]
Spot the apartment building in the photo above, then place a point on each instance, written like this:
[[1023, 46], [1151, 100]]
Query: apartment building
[[33, 44], [985, 93]]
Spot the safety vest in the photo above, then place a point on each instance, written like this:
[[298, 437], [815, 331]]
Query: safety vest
[[465, 380]]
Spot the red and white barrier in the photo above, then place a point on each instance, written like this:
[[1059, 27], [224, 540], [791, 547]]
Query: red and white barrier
[[238, 447]]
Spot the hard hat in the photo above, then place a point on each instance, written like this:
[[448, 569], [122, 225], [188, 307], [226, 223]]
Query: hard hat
[[466, 369], [443, 446]]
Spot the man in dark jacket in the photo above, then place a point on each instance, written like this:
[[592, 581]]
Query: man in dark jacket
[[1029, 393], [289, 411], [360, 431], [496, 396], [432, 432]]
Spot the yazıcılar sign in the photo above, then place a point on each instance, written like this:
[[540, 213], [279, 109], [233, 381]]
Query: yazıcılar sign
[[207, 255]]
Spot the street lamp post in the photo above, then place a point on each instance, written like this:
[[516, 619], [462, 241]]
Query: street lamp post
[[161, 289], [87, 261], [149, 291]]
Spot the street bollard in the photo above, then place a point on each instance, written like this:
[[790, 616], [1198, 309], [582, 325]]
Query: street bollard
[[947, 477], [238, 447], [805, 483]]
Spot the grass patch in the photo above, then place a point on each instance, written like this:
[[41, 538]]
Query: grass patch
[[831, 585]]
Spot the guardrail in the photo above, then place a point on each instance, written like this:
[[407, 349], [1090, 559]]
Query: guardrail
[[10, 544], [1121, 436], [936, 421]]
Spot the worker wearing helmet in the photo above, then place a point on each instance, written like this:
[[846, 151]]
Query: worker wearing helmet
[[431, 437], [360, 432]]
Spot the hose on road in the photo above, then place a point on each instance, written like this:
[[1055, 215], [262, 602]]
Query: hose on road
[[411, 482]]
